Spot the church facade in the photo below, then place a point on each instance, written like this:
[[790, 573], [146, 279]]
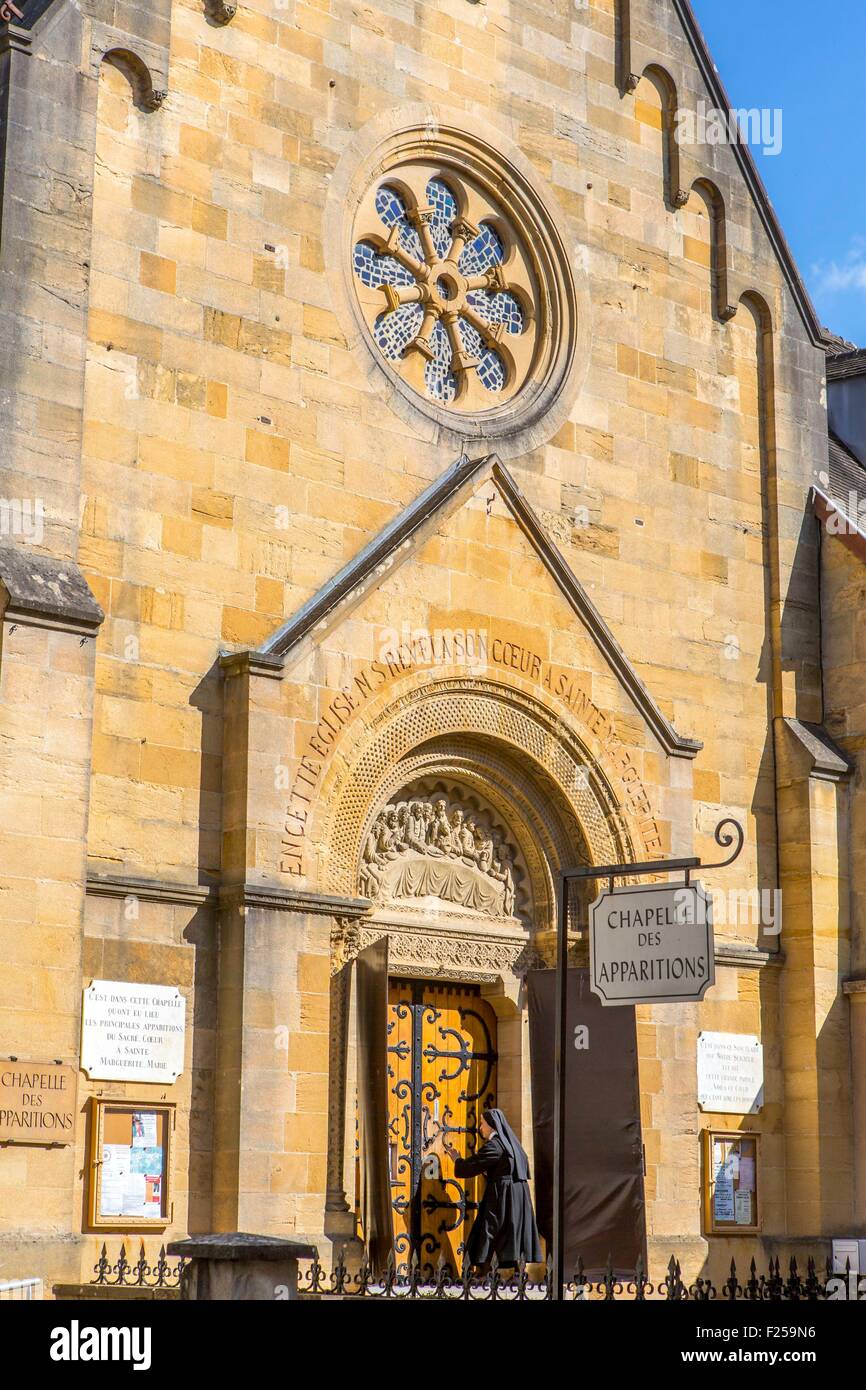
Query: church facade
[[415, 462]]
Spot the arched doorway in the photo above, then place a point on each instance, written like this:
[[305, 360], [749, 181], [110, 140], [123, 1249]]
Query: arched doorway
[[452, 814]]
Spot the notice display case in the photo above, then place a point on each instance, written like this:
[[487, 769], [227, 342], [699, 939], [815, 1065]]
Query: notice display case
[[129, 1168], [732, 1183]]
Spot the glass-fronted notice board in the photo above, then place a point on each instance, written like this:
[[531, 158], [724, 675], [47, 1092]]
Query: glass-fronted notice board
[[130, 1165], [731, 1193]]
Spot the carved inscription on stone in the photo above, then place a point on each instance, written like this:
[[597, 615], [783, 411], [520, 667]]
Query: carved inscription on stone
[[423, 848]]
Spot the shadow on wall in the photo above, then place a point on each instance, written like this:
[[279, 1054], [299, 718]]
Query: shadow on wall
[[203, 933]]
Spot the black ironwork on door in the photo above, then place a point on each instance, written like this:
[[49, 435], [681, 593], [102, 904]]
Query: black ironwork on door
[[441, 1074]]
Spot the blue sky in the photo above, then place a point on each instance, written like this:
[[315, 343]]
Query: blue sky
[[808, 60]]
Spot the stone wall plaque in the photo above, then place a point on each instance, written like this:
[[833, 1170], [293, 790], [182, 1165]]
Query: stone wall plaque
[[132, 1032], [37, 1102], [730, 1073]]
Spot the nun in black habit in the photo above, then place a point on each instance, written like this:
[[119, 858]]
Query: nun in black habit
[[505, 1224]]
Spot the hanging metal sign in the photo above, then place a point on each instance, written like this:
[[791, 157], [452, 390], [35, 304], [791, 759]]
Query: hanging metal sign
[[728, 833], [652, 944]]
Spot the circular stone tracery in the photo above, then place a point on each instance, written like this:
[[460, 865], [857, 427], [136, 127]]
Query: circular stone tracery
[[447, 287]]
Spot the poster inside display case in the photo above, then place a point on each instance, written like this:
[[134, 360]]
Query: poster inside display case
[[731, 1193]]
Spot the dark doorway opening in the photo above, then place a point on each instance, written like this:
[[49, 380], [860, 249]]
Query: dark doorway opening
[[605, 1216]]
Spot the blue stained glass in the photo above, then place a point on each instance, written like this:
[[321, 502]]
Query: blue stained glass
[[373, 269], [390, 205], [479, 255], [491, 372], [444, 205], [394, 331], [471, 339], [498, 308], [441, 381], [392, 210]]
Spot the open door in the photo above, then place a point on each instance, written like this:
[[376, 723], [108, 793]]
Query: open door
[[371, 974], [604, 1191], [443, 1061]]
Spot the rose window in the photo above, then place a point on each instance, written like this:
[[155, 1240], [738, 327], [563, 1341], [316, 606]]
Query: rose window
[[446, 287]]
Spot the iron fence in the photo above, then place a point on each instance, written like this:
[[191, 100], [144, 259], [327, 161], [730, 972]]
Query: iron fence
[[413, 1281], [122, 1273], [513, 1285]]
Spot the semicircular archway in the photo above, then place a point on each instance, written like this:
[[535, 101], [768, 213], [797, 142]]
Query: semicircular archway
[[496, 742]]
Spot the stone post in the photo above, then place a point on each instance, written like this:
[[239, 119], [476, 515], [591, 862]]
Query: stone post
[[236, 1266]]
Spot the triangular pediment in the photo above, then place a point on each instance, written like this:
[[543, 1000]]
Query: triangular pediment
[[404, 539]]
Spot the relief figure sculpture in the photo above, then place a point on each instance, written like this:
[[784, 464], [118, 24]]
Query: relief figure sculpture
[[423, 849]]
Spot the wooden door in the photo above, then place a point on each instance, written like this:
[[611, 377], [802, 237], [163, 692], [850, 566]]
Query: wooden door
[[441, 1075]]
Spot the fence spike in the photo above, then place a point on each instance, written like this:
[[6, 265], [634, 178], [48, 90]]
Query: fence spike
[[732, 1284], [102, 1267], [339, 1272]]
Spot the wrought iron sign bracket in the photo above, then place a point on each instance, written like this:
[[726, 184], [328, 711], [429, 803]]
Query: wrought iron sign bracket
[[724, 839]]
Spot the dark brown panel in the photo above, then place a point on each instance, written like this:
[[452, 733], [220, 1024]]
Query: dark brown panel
[[372, 1000], [604, 1202]]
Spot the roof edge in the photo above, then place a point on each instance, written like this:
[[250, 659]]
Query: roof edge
[[836, 522], [377, 552], [572, 589], [846, 366], [425, 512]]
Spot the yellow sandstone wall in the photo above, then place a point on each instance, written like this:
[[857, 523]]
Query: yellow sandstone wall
[[237, 453], [198, 335]]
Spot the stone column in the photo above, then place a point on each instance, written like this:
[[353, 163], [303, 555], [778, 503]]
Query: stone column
[[276, 1046], [338, 1027], [816, 950], [49, 623], [856, 992]]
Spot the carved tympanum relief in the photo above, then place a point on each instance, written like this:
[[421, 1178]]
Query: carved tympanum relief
[[436, 846]]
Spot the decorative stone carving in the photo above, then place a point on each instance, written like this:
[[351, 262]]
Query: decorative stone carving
[[345, 943], [422, 848], [531, 958], [219, 13], [450, 957], [578, 811]]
